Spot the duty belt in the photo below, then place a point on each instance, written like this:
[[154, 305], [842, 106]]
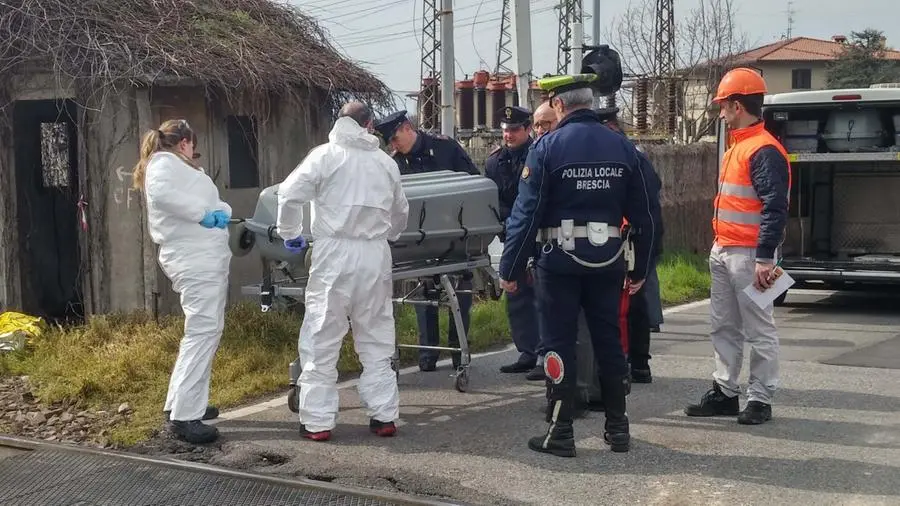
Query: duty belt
[[579, 232], [548, 235]]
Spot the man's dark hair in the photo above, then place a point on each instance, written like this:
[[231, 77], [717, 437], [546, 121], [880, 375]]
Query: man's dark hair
[[360, 112], [752, 103]]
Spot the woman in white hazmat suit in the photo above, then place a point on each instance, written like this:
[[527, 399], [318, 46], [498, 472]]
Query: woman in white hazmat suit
[[188, 221], [359, 206]]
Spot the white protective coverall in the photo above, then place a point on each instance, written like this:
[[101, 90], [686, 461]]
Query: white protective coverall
[[196, 261], [357, 206]]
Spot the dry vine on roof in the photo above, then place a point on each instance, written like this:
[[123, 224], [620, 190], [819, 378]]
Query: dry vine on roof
[[231, 45]]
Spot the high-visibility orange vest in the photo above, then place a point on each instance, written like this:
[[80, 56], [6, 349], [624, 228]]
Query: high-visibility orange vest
[[737, 207]]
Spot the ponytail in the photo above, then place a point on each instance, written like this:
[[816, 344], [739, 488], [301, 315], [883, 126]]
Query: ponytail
[[149, 145]]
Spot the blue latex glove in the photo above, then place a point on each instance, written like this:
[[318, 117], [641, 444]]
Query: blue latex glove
[[296, 245], [221, 218], [209, 219]]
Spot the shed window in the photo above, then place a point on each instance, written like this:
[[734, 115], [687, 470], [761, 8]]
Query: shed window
[[801, 79], [243, 151], [55, 154]]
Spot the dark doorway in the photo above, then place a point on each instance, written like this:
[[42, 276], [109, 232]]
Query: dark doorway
[[46, 151]]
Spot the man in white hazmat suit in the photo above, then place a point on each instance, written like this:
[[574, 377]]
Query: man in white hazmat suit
[[354, 189]]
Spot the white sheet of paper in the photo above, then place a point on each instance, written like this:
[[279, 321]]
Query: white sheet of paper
[[766, 298]]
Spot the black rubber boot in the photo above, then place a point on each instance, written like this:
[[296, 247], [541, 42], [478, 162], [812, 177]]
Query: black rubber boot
[[560, 437], [211, 413], [194, 431], [617, 434]]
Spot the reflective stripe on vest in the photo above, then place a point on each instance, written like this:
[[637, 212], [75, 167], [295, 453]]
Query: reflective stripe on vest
[[737, 206]]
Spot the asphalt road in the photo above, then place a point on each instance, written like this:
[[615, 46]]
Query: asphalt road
[[835, 437]]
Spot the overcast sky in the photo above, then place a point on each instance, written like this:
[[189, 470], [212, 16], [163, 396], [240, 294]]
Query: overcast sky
[[385, 35]]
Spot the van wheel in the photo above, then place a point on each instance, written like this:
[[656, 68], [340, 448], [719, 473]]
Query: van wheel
[[779, 301]]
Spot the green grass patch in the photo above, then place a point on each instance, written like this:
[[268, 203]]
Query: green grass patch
[[683, 278], [128, 358]]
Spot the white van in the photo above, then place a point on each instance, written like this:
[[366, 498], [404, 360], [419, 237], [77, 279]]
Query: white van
[[844, 220]]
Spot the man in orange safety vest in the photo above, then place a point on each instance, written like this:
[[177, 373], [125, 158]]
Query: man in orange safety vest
[[751, 211]]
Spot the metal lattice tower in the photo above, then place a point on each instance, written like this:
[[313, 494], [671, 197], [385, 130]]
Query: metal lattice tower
[[430, 73], [504, 55], [569, 11], [665, 94], [664, 61]]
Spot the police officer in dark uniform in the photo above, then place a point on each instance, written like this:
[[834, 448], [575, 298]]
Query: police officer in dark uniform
[[640, 320], [504, 166], [415, 152], [578, 184]]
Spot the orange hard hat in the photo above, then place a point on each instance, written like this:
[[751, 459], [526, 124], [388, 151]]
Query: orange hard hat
[[740, 81]]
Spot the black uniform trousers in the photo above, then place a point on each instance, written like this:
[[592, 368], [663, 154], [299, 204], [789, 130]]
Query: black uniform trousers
[[561, 298], [429, 330]]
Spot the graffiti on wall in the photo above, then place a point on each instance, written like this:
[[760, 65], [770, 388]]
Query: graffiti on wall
[[123, 193]]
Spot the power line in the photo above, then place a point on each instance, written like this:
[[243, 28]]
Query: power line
[[369, 39]]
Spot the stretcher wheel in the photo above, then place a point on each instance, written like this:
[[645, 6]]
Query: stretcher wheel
[[241, 240], [294, 399], [462, 380]]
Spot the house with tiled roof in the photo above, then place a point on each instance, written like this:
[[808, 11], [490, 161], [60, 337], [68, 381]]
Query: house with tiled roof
[[795, 64]]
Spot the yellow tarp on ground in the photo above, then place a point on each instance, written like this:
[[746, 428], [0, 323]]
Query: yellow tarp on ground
[[17, 328]]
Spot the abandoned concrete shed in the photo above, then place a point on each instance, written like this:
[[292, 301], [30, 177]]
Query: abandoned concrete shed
[[82, 81]]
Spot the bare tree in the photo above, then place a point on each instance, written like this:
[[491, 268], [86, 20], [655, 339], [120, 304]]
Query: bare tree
[[707, 41]]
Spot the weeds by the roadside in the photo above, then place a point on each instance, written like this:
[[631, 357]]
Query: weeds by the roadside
[[118, 358]]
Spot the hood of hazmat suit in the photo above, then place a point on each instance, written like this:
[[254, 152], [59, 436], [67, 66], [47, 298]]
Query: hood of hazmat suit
[[353, 188], [196, 261]]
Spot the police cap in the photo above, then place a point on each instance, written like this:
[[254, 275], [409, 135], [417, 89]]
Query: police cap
[[387, 126], [607, 113], [514, 116]]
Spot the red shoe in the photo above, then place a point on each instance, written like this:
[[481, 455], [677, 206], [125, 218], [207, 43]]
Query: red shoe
[[324, 435], [382, 429]]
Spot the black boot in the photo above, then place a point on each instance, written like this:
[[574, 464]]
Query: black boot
[[714, 403], [560, 437], [614, 390], [194, 431]]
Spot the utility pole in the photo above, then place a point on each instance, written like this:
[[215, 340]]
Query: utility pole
[[595, 40], [448, 70], [521, 28]]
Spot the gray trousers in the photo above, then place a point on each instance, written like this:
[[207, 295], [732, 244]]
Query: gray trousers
[[735, 319]]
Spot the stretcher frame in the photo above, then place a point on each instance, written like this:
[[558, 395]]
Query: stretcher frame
[[444, 274]]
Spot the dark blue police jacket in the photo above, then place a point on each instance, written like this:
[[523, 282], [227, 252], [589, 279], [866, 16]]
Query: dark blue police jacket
[[585, 172], [431, 153], [504, 166]]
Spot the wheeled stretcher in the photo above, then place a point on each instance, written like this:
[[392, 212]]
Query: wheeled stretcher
[[452, 220]]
